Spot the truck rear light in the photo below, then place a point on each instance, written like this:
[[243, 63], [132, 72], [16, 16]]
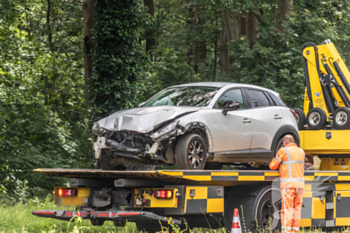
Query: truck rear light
[[67, 192], [164, 194]]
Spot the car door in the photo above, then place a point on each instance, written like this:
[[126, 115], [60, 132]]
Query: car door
[[266, 119], [233, 131]]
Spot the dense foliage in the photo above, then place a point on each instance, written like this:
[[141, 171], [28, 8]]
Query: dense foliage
[[119, 59], [42, 111], [265, 48]]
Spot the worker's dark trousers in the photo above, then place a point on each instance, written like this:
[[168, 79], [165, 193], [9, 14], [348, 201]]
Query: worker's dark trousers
[[292, 201]]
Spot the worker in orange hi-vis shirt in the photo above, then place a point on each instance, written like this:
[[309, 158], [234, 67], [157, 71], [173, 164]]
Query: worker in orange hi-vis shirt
[[290, 161]]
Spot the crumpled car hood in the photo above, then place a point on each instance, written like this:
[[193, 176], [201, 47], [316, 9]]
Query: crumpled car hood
[[142, 120]]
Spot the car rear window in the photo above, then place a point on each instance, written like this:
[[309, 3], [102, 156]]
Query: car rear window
[[276, 99], [257, 98]]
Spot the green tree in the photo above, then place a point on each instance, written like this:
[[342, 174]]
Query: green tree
[[119, 59]]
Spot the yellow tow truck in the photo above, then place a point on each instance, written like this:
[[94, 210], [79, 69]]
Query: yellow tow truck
[[207, 198]]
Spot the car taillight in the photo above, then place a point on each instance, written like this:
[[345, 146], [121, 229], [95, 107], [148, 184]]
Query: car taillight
[[293, 112], [165, 194], [67, 192]]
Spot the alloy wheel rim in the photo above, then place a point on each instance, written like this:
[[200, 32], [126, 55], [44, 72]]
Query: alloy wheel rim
[[195, 154], [314, 118], [341, 118]]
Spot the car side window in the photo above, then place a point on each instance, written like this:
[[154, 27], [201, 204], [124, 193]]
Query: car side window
[[257, 98], [234, 94]]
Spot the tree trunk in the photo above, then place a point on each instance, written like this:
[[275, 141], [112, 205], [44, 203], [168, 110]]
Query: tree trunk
[[228, 34], [228, 26], [200, 44], [224, 53], [88, 45], [251, 28], [196, 43], [285, 6], [150, 40]]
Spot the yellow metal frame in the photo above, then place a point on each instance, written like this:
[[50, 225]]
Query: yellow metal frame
[[156, 202], [213, 205], [325, 141]]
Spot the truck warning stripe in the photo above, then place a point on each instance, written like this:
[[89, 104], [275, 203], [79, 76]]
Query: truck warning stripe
[[256, 176], [251, 173]]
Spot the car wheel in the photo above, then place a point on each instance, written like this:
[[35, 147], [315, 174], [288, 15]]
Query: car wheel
[[190, 152], [300, 117], [341, 118], [316, 118], [280, 143]]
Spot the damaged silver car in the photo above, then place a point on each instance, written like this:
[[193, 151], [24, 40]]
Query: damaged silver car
[[196, 126]]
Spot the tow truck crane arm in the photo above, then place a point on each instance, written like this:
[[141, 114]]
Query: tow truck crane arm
[[327, 99]]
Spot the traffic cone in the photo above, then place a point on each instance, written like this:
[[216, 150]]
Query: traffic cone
[[236, 224]]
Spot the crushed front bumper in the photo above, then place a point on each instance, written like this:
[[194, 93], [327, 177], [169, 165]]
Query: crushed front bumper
[[103, 215]]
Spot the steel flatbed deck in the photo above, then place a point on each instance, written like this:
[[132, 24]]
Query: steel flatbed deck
[[186, 176]]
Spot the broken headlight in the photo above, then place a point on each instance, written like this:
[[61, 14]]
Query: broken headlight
[[97, 130], [165, 132]]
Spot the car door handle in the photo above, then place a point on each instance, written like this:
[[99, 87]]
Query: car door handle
[[246, 120], [277, 117]]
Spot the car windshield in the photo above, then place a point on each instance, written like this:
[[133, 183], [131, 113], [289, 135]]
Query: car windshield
[[183, 96]]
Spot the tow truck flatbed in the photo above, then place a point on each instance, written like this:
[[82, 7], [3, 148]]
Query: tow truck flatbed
[[204, 177], [199, 193]]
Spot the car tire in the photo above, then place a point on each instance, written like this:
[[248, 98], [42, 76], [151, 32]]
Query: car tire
[[300, 117], [316, 118], [341, 118], [279, 144], [190, 152]]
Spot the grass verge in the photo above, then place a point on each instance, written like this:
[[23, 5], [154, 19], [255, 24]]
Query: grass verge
[[18, 218]]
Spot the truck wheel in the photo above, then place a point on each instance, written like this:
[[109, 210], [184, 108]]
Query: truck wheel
[[300, 117], [267, 209], [258, 207], [190, 152], [316, 118], [341, 118]]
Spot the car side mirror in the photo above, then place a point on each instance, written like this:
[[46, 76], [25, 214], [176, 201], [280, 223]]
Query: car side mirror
[[141, 104], [230, 105]]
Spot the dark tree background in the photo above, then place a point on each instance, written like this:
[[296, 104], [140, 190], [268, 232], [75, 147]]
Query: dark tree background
[[65, 64]]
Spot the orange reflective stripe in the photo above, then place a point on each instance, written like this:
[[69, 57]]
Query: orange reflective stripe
[[278, 159], [293, 161], [289, 165], [292, 179]]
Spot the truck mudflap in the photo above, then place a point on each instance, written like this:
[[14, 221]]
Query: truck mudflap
[[103, 215]]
